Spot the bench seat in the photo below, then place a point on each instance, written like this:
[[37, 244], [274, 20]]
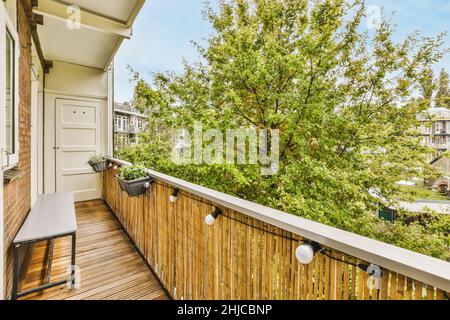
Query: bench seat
[[52, 215]]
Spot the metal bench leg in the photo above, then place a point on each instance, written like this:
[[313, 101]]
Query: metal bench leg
[[74, 244], [15, 284]]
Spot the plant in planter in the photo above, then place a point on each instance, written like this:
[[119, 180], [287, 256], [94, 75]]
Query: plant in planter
[[134, 180], [98, 163]]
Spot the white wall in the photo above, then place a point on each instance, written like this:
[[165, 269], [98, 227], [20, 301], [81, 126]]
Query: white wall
[[76, 80], [36, 87], [68, 81]]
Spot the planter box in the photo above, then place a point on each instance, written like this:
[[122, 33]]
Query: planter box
[[99, 166], [134, 187]]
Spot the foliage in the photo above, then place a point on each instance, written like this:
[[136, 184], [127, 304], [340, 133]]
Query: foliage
[[427, 86], [96, 158], [419, 192], [443, 90], [341, 98], [132, 172]]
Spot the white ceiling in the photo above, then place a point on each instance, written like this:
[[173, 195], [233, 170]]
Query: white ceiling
[[119, 10], [84, 46], [104, 25]]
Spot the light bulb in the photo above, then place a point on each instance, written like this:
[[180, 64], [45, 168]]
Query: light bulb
[[115, 167], [109, 165], [210, 219], [147, 185], [173, 197], [305, 252]]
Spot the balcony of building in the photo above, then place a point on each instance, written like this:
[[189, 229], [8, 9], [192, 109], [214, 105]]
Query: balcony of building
[[148, 247], [128, 129]]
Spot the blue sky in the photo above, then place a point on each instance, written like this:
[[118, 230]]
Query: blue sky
[[164, 29]]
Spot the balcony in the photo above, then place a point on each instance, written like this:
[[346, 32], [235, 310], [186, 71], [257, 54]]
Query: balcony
[[128, 129], [149, 248]]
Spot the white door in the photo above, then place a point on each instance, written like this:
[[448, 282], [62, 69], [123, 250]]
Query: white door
[[34, 133], [78, 137]]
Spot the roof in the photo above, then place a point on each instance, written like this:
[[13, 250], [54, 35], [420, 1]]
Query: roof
[[437, 113], [127, 108], [85, 32]]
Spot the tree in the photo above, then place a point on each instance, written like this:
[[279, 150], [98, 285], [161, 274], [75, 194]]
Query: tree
[[341, 99], [443, 90], [427, 87]]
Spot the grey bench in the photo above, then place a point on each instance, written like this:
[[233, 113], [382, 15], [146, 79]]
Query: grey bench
[[52, 216]]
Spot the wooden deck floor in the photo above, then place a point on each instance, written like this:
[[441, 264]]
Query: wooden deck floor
[[110, 266]]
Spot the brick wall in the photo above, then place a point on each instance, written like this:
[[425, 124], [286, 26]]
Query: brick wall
[[17, 195]]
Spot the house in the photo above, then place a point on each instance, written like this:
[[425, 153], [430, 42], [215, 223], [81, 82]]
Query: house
[[177, 240], [434, 129], [128, 122]]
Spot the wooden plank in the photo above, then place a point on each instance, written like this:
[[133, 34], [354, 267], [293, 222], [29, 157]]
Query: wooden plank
[[346, 274], [110, 265], [232, 259], [418, 290]]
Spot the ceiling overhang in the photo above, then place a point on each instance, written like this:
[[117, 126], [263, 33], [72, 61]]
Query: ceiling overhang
[[85, 32]]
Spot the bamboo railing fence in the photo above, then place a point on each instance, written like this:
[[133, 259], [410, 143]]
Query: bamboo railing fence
[[240, 257]]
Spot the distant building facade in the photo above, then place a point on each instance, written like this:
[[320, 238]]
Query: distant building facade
[[434, 129], [128, 123]]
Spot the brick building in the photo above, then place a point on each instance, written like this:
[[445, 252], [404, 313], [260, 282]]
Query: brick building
[[58, 110]]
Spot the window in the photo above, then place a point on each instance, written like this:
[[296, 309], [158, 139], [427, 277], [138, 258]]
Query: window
[[9, 107], [9, 87], [121, 123]]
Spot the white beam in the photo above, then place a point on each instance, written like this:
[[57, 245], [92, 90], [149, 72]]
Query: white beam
[[137, 8], [110, 110], [61, 11], [113, 53]]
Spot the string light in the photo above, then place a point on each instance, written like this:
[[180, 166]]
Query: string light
[[210, 218], [174, 196], [305, 253]]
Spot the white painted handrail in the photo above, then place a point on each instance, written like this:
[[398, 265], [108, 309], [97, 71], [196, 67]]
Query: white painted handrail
[[414, 265]]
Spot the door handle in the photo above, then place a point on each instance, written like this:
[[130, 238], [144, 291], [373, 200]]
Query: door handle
[[55, 148]]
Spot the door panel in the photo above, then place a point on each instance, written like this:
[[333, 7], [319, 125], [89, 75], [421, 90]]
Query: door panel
[[78, 137]]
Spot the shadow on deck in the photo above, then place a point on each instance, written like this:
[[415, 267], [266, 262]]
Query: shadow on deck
[[111, 267]]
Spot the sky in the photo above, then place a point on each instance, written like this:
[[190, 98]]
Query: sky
[[164, 29]]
